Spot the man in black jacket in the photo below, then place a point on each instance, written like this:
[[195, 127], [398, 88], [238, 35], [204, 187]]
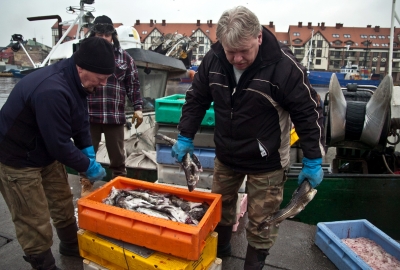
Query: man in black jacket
[[258, 89], [42, 113]]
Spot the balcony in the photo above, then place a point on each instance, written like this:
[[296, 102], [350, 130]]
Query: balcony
[[396, 69]]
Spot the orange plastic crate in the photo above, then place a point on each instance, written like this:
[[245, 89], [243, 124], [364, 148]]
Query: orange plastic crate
[[178, 239]]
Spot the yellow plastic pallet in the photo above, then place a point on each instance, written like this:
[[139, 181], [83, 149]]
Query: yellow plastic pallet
[[88, 265], [112, 255]]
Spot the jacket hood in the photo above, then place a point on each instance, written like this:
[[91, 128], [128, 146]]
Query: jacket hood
[[269, 52]]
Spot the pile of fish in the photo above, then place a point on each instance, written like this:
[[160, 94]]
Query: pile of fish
[[300, 198], [161, 205], [190, 165]]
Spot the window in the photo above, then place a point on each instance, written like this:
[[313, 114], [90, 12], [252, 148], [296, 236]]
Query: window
[[338, 42], [372, 36], [297, 41], [201, 40], [375, 54], [318, 61], [298, 51], [384, 54], [347, 35], [349, 43], [381, 37], [319, 53], [363, 36], [335, 35], [144, 32], [201, 49], [296, 34], [319, 43]]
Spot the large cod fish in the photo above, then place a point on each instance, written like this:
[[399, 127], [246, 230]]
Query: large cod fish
[[190, 165], [300, 198]]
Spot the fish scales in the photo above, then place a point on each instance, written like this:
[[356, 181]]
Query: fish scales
[[160, 205]]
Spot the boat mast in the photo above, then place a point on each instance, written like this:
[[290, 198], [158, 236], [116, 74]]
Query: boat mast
[[394, 15], [310, 51]]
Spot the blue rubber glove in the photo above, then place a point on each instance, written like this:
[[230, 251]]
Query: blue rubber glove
[[95, 171], [182, 146], [312, 171]]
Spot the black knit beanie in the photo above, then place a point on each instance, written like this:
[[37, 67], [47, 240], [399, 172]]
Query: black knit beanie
[[103, 19], [96, 55]]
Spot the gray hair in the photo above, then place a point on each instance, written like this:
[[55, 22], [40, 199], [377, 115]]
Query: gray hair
[[236, 25]]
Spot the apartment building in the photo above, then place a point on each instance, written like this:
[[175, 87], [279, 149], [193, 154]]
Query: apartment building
[[317, 47]]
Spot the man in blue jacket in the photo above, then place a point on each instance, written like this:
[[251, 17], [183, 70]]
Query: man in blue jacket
[[258, 89], [44, 126]]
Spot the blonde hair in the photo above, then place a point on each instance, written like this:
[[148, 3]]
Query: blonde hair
[[237, 24]]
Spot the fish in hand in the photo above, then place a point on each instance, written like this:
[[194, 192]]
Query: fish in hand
[[190, 165], [300, 198]]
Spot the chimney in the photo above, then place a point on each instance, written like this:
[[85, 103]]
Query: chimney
[[323, 26], [377, 28], [210, 23], [151, 23], [271, 24], [300, 24], [137, 22], [163, 23], [338, 25], [309, 25], [198, 23], [368, 26]]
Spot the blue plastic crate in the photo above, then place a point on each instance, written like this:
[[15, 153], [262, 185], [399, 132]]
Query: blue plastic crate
[[329, 235], [206, 156]]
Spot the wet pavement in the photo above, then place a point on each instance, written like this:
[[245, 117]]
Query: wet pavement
[[294, 249]]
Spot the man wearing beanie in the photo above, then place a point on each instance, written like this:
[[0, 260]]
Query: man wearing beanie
[[44, 126], [107, 104]]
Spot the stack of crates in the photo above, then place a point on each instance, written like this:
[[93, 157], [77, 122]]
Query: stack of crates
[[115, 238], [168, 112]]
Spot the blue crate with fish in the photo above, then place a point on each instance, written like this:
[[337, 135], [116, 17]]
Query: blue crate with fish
[[169, 109], [329, 237], [205, 155]]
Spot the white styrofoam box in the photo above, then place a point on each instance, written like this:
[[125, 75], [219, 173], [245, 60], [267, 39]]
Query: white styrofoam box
[[173, 174]]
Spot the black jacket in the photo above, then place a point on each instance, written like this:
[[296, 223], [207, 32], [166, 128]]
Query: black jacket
[[42, 113], [252, 127]]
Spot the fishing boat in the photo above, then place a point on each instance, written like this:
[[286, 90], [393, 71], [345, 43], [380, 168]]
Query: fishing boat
[[348, 74]]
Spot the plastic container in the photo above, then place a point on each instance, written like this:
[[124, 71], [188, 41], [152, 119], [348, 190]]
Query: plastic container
[[329, 235], [206, 156], [169, 110], [204, 136], [178, 239], [115, 254]]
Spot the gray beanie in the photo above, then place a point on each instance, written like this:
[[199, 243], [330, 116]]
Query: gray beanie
[[96, 55]]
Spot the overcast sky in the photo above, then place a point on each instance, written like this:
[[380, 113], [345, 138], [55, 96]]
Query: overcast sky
[[352, 13]]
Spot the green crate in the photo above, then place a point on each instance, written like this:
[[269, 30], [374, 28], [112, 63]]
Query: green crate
[[169, 110]]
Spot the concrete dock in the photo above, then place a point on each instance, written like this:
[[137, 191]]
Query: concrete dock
[[294, 249]]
